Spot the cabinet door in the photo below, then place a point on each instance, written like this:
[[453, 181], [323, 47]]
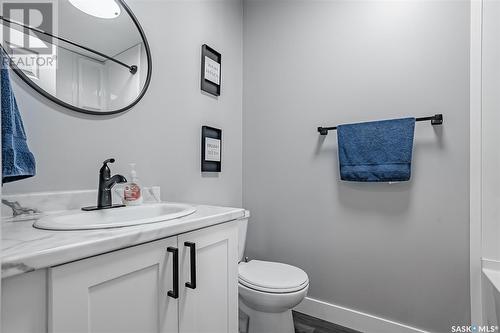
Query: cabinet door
[[118, 292], [208, 300]]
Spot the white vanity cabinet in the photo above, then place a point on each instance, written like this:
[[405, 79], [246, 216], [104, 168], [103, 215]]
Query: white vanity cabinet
[[121, 291], [211, 305], [134, 289]]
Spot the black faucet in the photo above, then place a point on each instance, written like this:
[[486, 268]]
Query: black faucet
[[106, 182]]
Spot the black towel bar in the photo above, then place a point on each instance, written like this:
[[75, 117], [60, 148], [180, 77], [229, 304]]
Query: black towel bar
[[436, 119]]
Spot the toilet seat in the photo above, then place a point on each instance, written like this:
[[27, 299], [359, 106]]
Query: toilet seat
[[272, 277]]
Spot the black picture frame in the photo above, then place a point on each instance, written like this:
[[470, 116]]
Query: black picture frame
[[206, 85], [213, 133]]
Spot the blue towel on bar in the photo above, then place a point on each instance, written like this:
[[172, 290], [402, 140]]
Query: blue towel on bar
[[379, 151], [17, 160]]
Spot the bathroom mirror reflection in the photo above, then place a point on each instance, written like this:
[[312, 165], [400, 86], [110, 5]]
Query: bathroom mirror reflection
[[91, 56]]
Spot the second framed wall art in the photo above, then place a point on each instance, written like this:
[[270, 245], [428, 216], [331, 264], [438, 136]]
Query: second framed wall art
[[211, 149]]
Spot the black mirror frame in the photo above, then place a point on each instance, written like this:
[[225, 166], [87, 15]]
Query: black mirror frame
[[106, 113]]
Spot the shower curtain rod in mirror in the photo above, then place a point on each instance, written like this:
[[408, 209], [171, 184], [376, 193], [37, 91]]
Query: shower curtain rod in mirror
[[7, 22]]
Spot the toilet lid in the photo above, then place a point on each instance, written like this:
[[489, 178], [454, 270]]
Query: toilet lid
[[272, 276]]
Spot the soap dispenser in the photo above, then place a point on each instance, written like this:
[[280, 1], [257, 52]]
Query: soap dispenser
[[132, 192]]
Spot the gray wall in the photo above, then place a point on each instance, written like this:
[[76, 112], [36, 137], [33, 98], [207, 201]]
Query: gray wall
[[397, 251], [162, 133]]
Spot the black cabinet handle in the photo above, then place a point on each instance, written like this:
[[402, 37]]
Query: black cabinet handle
[[175, 276], [192, 251]]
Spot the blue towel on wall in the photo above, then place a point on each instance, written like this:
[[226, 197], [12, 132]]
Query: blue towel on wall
[[379, 151], [17, 160]]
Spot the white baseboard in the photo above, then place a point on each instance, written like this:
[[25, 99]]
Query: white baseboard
[[352, 319]]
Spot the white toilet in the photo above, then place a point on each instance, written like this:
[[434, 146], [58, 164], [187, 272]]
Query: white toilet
[[268, 291]]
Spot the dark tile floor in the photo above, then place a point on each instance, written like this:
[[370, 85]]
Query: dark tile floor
[[307, 324]]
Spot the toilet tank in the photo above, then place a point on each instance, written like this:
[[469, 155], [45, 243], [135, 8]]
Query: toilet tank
[[242, 235]]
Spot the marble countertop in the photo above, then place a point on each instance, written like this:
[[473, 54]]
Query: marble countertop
[[26, 249]]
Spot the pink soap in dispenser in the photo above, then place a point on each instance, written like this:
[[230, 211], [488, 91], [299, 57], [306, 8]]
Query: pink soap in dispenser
[[132, 192]]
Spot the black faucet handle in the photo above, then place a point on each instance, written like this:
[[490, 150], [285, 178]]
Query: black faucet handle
[[105, 172]]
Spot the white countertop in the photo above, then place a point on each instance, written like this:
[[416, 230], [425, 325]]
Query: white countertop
[[26, 249]]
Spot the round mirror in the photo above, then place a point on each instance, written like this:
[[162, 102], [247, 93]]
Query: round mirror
[[90, 56]]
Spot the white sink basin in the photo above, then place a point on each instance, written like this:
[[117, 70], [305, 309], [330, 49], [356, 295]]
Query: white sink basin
[[114, 218]]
